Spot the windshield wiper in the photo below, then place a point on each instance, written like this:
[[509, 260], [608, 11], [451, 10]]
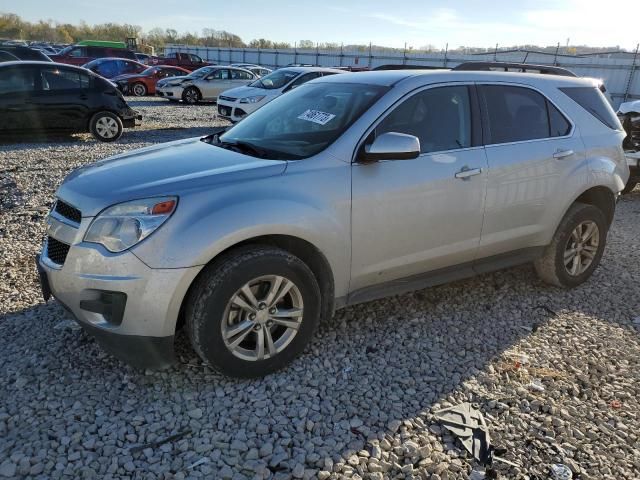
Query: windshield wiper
[[244, 147]]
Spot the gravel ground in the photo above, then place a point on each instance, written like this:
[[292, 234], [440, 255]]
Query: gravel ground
[[358, 404]]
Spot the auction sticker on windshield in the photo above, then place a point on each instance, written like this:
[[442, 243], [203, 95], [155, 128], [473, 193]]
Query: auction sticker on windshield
[[316, 116]]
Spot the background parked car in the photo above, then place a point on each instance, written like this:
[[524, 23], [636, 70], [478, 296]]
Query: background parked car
[[7, 57], [25, 53], [144, 83], [81, 54], [257, 69], [185, 60], [237, 103], [204, 84], [146, 58], [113, 67], [52, 96]]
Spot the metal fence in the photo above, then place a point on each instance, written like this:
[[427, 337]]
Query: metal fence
[[618, 71]]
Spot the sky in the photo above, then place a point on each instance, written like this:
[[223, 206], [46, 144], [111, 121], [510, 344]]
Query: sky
[[382, 22]]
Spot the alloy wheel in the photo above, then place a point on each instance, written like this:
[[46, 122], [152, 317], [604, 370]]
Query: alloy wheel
[[191, 96], [107, 127], [581, 248], [139, 90], [262, 318]]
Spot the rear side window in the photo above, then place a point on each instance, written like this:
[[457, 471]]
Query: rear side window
[[78, 52], [594, 102], [516, 114], [16, 80], [55, 79], [240, 75]]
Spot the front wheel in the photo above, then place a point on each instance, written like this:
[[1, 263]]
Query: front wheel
[[139, 89], [106, 126], [576, 248], [191, 95], [253, 312]]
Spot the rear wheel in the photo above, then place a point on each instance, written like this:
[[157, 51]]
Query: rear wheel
[[253, 312], [191, 95], [139, 89], [106, 126], [576, 248]]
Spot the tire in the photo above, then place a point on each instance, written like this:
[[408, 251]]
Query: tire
[[628, 188], [191, 96], [211, 314], [551, 266], [138, 89], [106, 126]]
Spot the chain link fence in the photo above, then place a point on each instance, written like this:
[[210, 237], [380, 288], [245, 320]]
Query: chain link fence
[[616, 69]]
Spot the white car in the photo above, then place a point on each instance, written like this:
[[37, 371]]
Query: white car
[[257, 69], [204, 84], [237, 103]]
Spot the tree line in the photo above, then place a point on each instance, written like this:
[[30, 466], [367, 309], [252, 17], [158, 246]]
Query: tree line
[[14, 27]]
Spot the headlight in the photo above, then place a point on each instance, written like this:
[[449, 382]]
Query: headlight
[[255, 99], [123, 225]]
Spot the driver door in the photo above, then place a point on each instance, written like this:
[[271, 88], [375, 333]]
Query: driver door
[[411, 217]]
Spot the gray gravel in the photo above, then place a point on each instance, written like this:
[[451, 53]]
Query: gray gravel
[[358, 404]]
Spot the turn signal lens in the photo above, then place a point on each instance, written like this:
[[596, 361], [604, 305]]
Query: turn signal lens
[[163, 208]]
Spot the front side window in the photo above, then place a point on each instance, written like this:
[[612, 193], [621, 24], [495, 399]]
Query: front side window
[[304, 79], [220, 74], [275, 80], [61, 79], [240, 75], [440, 118], [16, 80], [195, 58], [516, 114], [305, 121]]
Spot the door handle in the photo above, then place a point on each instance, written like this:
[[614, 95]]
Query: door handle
[[562, 153], [466, 172], [83, 96]]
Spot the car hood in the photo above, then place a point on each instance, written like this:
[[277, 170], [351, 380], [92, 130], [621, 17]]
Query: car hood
[[172, 79], [241, 92], [127, 76], [172, 168]]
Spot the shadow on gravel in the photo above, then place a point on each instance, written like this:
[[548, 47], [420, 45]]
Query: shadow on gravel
[[136, 103]]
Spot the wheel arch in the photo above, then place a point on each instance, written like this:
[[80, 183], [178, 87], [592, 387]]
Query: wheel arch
[[303, 249], [600, 197]]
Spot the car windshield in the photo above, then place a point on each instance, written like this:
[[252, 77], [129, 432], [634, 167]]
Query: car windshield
[[201, 72], [277, 79], [302, 122]]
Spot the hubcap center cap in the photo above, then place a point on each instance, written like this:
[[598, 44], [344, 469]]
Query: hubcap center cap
[[262, 316]]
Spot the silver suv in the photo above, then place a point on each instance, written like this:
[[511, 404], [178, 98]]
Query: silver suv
[[349, 188]]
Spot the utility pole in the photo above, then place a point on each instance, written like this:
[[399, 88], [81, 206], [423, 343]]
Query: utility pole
[[632, 71]]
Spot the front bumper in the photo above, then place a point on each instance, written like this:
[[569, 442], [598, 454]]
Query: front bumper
[[140, 329], [236, 111], [633, 162], [174, 93]]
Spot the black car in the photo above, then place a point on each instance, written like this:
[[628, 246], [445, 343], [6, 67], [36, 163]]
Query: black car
[[25, 53], [7, 57], [54, 96]]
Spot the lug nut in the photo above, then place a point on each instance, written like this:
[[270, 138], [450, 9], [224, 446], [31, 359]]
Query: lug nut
[[257, 327], [252, 316], [269, 323], [262, 306], [272, 311]]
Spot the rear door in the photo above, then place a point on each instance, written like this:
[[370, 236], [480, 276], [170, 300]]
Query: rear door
[[18, 85], [240, 78], [532, 149], [63, 101]]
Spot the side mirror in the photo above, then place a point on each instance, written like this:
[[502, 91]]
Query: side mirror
[[391, 146]]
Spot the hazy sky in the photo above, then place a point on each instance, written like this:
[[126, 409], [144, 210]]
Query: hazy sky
[[383, 22]]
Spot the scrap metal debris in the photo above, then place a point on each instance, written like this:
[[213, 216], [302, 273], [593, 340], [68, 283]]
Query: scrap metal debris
[[467, 423], [561, 472], [157, 443]]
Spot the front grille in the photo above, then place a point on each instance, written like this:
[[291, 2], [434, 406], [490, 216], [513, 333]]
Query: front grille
[[67, 211], [57, 251], [228, 99]]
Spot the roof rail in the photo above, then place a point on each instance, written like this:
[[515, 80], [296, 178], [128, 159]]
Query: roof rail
[[514, 67], [406, 67]]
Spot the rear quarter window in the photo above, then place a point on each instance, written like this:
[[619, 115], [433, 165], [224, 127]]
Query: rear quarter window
[[594, 102]]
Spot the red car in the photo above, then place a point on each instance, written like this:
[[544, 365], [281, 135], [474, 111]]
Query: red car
[[144, 83]]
